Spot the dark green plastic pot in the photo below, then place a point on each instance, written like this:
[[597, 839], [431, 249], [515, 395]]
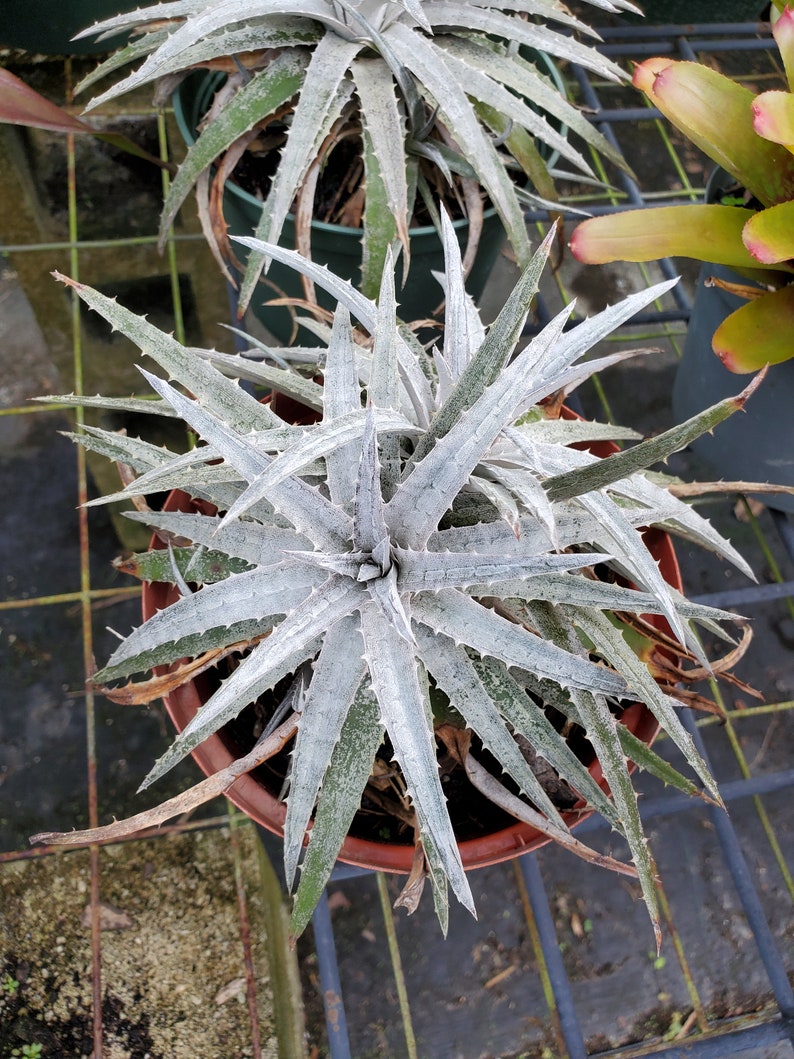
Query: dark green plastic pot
[[334, 245], [754, 445], [47, 26]]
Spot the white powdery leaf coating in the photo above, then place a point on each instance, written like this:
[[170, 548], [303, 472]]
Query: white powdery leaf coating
[[254, 594], [353, 577], [467, 622], [337, 674], [431, 571]]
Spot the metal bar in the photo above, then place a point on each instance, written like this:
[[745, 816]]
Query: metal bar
[[742, 879], [629, 34], [85, 586], [563, 996], [661, 47], [330, 983], [593, 103], [538, 951], [716, 1045], [739, 597]]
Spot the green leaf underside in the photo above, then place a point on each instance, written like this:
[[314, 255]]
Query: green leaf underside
[[647, 759], [617, 651], [524, 717], [196, 565], [646, 454], [457, 677], [323, 95], [255, 600], [386, 214], [338, 672], [264, 94]]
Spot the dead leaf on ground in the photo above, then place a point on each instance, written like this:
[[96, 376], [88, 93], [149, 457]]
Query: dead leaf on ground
[[110, 918], [232, 989], [337, 900], [740, 509]]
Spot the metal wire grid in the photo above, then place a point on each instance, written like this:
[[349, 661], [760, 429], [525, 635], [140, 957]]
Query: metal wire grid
[[757, 1034], [700, 1036]]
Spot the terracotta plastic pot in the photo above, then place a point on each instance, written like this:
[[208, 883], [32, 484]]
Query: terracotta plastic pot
[[254, 799]]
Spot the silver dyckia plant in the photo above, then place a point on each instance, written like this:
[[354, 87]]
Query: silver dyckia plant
[[432, 87], [432, 532]]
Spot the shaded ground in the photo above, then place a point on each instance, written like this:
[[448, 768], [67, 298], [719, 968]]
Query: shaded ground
[[173, 964]]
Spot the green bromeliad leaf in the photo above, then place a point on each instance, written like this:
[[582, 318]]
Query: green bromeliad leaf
[[198, 565], [769, 234], [703, 232], [757, 334], [348, 771], [716, 114], [773, 117], [264, 94]]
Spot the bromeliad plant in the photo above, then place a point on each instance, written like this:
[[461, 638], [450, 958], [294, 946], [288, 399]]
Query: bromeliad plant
[[751, 137], [418, 565], [441, 99]]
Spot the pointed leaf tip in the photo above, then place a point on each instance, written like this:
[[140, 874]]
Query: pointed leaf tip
[[67, 280]]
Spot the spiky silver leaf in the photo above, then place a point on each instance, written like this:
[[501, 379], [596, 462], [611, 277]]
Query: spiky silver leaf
[[411, 78], [381, 568]]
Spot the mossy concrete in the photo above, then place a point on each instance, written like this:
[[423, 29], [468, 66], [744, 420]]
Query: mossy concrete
[[173, 965]]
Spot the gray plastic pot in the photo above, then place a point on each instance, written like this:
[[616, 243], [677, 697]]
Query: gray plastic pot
[[334, 245], [756, 444]]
